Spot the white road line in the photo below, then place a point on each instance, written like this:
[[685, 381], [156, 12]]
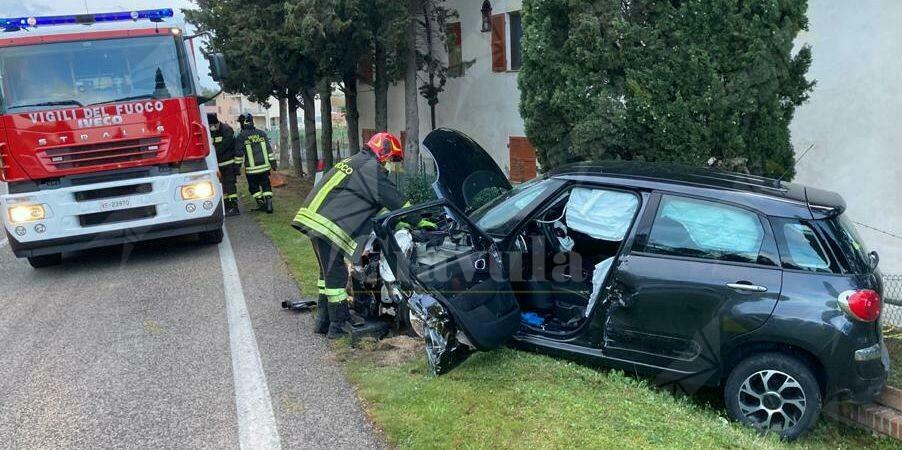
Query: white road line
[[256, 421], [3, 242]]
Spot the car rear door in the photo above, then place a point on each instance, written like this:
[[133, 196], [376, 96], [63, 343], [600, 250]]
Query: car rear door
[[699, 274], [457, 280]]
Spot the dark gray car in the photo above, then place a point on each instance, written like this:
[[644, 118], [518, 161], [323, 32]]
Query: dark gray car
[[693, 276]]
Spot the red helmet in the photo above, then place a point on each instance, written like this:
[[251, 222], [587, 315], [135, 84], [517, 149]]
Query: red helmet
[[386, 147]]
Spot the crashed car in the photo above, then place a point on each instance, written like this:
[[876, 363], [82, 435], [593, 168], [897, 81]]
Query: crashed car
[[692, 276]]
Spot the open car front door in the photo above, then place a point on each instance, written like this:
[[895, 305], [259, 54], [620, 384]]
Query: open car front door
[[456, 281]]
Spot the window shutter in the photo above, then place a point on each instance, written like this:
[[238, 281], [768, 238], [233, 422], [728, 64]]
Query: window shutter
[[523, 159], [499, 44], [455, 50]]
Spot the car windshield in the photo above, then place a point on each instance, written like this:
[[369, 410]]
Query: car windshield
[[50, 76], [497, 217]]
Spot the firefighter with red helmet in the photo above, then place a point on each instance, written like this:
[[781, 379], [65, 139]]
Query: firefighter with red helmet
[[336, 216], [258, 159]]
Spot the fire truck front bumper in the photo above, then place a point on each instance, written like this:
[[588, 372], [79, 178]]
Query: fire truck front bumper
[[117, 237], [75, 218]]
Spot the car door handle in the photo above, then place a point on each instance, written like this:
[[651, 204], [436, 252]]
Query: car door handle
[[746, 286]]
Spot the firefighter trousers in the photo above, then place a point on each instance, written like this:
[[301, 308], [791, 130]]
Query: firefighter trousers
[[333, 272], [228, 178], [259, 185]]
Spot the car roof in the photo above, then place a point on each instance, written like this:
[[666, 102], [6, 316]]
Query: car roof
[[767, 195]]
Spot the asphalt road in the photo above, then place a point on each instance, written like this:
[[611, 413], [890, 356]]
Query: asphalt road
[[152, 346]]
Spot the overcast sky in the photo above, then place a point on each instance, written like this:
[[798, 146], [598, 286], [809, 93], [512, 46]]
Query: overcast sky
[[17, 8]]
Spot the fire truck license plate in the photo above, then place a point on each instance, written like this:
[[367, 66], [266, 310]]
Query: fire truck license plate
[[107, 205]]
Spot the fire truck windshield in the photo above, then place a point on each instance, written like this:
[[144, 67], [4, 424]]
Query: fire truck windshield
[[82, 73]]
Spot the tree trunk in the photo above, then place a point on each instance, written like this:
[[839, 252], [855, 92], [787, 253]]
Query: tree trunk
[[325, 102], [380, 87], [352, 116], [309, 105], [295, 136], [433, 100], [284, 133], [411, 95]]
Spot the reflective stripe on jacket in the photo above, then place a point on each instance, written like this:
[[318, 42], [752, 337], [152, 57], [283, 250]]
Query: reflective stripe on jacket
[[340, 206], [257, 151]]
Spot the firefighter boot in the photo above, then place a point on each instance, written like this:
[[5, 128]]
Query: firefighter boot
[[267, 202], [261, 204], [321, 323], [338, 320], [231, 205]]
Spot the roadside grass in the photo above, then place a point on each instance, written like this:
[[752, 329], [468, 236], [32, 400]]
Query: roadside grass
[[515, 399]]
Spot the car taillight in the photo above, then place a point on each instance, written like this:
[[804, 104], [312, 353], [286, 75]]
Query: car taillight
[[863, 305]]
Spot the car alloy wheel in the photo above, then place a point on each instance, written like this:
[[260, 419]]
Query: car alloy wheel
[[772, 400]]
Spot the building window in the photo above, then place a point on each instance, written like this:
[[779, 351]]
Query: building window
[[516, 33], [455, 50]]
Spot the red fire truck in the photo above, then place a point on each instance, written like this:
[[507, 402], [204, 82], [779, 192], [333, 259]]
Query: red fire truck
[[102, 139]]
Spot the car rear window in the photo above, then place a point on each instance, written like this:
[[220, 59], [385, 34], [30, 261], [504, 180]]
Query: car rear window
[[703, 229], [800, 247], [850, 244]]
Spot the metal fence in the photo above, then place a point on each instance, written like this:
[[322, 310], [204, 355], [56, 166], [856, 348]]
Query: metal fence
[[892, 300]]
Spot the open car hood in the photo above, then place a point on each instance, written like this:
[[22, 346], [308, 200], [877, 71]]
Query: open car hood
[[464, 168]]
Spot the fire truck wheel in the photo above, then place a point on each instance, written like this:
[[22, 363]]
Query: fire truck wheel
[[45, 260], [210, 237]]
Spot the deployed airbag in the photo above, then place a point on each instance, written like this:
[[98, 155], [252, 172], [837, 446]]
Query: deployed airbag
[[598, 277], [601, 214]]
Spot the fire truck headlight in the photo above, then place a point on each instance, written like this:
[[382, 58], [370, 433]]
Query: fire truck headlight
[[198, 191], [26, 213]]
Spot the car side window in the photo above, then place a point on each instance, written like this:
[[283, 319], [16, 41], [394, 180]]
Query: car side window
[[800, 247], [704, 229]]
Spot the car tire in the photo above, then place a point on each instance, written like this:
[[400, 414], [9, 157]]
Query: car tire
[[38, 262], [210, 237], [774, 393]]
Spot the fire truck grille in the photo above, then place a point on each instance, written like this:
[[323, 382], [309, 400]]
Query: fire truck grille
[[90, 155], [122, 215]]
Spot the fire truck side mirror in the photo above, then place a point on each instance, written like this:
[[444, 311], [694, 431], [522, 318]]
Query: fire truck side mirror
[[218, 67]]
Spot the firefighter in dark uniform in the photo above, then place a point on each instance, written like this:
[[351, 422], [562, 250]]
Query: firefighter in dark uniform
[[258, 159], [224, 142], [336, 216]]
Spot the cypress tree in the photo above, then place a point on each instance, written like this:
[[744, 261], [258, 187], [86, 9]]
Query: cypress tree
[[664, 80]]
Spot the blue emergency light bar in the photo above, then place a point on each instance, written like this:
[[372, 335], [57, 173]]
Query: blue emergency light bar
[[21, 23]]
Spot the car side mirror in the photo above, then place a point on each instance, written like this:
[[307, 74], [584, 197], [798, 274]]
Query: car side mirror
[[874, 259], [219, 70]]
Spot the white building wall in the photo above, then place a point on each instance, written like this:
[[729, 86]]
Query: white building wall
[[853, 117], [483, 104]]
